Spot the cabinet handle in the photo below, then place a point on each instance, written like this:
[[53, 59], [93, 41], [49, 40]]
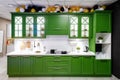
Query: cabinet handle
[[26, 56], [57, 60], [103, 31], [75, 56], [56, 57], [13, 56], [57, 28], [38, 56], [57, 68]]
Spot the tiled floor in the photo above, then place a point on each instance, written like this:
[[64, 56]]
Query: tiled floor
[[3, 75]]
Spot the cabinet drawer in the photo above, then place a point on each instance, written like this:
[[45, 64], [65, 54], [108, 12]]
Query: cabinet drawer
[[57, 58], [57, 63], [57, 70]]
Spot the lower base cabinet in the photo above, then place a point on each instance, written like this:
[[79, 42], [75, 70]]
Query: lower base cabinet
[[26, 63], [88, 65], [76, 65], [13, 65], [103, 67], [37, 65], [57, 66]]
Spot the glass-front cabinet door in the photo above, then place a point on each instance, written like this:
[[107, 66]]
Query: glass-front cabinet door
[[40, 26], [28, 25], [18, 28], [84, 26], [29, 22], [35, 26], [73, 26]]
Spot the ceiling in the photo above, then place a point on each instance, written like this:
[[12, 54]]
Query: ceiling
[[7, 6]]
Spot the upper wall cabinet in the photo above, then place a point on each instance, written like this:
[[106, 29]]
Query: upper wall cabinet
[[35, 26], [102, 21], [38, 25], [80, 26], [86, 25], [57, 24], [73, 26], [26, 25], [17, 26]]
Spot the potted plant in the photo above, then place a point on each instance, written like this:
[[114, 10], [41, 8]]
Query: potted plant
[[100, 39], [78, 49]]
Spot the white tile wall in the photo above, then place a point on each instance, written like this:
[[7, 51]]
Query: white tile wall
[[60, 43]]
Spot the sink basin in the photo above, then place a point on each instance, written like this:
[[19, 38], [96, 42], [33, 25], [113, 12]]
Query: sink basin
[[37, 51]]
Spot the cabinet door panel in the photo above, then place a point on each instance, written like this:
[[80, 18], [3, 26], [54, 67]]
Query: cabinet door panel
[[73, 26], [88, 65], [13, 65], [76, 65], [57, 25], [103, 67], [26, 65], [38, 65], [17, 26], [103, 21]]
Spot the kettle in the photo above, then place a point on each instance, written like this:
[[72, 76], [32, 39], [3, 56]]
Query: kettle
[[86, 49]]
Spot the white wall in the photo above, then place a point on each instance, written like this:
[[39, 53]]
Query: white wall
[[3, 24]]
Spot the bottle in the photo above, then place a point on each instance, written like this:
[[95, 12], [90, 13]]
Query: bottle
[[44, 48]]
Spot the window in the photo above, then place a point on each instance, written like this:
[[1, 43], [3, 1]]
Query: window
[[18, 26], [85, 27], [74, 27]]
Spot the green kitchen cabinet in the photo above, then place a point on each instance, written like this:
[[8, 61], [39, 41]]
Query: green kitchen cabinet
[[38, 65], [13, 67], [57, 65], [88, 65], [17, 26], [76, 65], [86, 25], [28, 25], [56, 24], [102, 21], [35, 26], [102, 67], [81, 25], [74, 28], [26, 63]]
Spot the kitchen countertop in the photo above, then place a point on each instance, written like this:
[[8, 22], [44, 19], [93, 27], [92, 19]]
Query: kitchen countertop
[[30, 53]]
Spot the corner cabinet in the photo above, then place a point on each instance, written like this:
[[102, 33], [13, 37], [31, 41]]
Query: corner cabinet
[[28, 25]]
